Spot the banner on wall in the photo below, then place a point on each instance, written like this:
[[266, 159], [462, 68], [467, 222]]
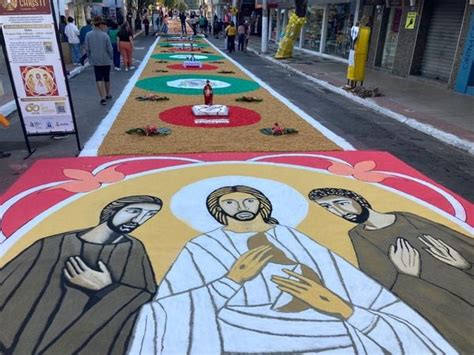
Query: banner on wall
[[36, 69]]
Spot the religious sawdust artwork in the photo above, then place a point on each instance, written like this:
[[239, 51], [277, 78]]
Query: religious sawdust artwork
[[332, 252], [180, 75]]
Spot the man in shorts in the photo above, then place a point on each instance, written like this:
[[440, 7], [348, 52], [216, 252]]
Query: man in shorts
[[100, 53]]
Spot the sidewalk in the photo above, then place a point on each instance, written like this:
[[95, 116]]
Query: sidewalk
[[438, 112]]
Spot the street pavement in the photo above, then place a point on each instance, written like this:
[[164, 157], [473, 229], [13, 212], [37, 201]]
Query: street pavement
[[363, 128], [366, 129], [89, 114]]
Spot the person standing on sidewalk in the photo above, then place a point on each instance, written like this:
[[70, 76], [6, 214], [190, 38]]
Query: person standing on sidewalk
[[72, 33], [100, 53], [62, 28], [182, 18], [82, 37], [230, 32], [164, 28], [241, 37], [113, 32], [247, 35], [146, 24], [125, 45]]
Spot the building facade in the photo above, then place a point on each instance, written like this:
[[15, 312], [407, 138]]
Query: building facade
[[426, 39], [430, 40]]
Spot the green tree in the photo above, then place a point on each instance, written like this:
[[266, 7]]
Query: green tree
[[182, 6], [170, 4]]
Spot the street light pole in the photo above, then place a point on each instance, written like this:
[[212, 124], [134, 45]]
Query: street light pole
[[264, 45]]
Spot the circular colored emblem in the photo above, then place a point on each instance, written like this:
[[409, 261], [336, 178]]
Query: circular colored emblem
[[183, 116], [204, 67], [183, 45], [193, 84], [182, 57]]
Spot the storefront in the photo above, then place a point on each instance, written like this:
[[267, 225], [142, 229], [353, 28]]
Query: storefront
[[327, 28]]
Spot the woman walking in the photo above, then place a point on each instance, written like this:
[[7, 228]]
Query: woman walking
[[125, 45], [230, 32], [113, 33]]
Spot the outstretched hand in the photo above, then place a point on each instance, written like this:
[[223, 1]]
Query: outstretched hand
[[250, 264], [405, 257], [78, 273], [312, 293], [443, 252]]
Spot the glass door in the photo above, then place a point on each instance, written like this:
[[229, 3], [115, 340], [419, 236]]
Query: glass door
[[391, 38]]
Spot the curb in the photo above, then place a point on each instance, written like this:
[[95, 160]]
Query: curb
[[428, 129], [10, 107]]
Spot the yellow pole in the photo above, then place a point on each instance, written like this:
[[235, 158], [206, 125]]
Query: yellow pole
[[358, 56]]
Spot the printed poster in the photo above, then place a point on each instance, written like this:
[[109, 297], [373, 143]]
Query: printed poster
[[35, 62]]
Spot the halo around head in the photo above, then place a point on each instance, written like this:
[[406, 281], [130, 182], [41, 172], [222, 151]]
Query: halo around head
[[189, 203]]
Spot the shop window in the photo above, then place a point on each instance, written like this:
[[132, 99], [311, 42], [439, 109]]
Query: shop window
[[391, 38], [340, 21], [312, 30]]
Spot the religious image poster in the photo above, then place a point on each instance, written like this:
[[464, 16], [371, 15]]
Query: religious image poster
[[341, 252], [38, 78]]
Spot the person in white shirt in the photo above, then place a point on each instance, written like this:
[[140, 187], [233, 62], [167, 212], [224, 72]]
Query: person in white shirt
[[72, 33]]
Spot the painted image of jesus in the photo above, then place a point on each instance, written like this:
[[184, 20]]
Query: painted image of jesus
[[79, 291], [256, 286], [208, 93], [428, 265]]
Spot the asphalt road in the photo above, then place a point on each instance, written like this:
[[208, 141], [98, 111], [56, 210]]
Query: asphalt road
[[363, 128], [89, 114], [366, 129]]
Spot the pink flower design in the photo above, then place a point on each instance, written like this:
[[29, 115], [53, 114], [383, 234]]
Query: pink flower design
[[362, 171], [85, 181]]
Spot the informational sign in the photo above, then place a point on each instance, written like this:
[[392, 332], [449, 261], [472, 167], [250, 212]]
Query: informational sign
[[411, 20], [37, 73]]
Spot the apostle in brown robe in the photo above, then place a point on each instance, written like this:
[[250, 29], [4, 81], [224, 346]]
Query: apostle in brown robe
[[426, 264], [79, 292]]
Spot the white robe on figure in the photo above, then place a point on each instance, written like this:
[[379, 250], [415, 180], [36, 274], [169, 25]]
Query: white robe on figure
[[198, 310]]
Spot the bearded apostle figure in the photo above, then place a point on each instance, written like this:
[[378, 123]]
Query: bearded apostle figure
[[79, 291], [255, 286], [437, 281]]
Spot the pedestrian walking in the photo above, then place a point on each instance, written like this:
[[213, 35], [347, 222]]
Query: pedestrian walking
[[202, 23], [241, 37], [215, 26], [182, 18], [247, 35], [100, 53], [230, 32], [113, 35], [82, 37], [72, 33], [164, 28], [194, 23], [146, 24], [62, 28], [125, 45]]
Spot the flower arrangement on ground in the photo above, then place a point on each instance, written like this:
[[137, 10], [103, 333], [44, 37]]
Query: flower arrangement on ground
[[150, 130], [248, 99], [278, 130]]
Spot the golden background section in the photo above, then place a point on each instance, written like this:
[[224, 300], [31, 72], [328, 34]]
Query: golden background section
[[164, 235]]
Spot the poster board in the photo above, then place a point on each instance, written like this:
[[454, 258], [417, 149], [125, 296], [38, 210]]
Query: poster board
[[36, 69]]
